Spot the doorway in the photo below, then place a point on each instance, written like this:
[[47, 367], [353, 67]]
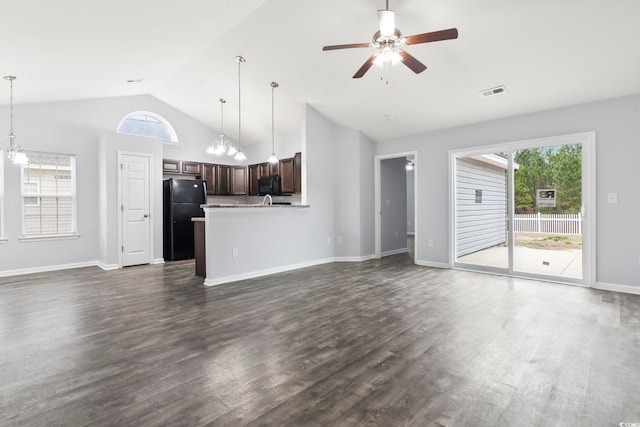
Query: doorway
[[135, 207], [396, 204], [525, 209]]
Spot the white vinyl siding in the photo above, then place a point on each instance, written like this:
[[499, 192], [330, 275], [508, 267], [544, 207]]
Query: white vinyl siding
[[480, 225], [48, 194]]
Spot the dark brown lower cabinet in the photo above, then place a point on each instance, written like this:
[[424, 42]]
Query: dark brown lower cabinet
[[200, 247]]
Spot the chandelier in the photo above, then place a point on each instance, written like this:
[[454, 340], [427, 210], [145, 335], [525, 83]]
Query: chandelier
[[223, 146], [14, 151]]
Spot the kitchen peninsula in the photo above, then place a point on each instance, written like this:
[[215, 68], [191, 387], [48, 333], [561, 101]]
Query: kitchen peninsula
[[250, 240]]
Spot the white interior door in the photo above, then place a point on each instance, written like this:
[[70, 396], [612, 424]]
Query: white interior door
[[135, 208]]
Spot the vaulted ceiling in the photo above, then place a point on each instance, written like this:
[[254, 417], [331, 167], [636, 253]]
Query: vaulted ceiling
[[548, 54]]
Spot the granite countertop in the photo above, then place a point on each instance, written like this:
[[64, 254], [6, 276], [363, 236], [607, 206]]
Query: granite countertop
[[260, 206]]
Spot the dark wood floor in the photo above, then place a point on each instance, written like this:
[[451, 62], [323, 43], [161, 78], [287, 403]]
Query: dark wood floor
[[382, 342]]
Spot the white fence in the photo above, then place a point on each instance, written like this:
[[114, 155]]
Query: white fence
[[548, 223]]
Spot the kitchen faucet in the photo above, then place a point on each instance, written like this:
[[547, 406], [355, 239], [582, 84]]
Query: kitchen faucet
[[264, 201]]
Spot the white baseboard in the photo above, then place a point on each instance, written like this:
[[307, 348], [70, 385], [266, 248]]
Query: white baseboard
[[44, 269], [395, 252], [354, 258], [157, 261], [432, 264], [266, 272], [626, 289], [107, 267]]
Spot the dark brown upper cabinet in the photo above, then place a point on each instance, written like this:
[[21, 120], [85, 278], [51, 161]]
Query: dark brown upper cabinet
[[223, 188], [254, 174], [171, 166], [287, 175], [238, 184], [191, 168], [297, 172], [209, 174]]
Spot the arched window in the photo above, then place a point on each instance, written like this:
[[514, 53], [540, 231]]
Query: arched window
[[144, 123]]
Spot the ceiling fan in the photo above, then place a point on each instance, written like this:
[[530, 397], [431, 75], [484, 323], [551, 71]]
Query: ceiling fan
[[390, 42]]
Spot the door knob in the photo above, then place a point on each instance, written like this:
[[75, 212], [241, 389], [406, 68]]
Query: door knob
[[146, 215]]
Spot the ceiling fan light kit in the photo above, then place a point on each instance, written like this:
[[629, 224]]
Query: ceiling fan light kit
[[390, 44]]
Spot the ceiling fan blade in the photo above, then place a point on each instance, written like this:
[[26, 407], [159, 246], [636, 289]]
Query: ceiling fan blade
[[434, 36], [346, 46], [411, 62], [365, 67]]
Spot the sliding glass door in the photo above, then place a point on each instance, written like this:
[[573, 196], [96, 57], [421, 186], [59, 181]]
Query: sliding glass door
[[547, 223], [520, 209]]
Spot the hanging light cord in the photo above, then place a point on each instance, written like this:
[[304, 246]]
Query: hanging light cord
[[240, 60], [222, 101], [11, 102], [274, 85]]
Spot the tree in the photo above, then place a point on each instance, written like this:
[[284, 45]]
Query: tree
[[556, 167]]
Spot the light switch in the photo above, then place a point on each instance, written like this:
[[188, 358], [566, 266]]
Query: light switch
[[388, 202], [612, 197]]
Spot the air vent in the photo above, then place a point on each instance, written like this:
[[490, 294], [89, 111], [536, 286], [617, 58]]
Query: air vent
[[493, 91]]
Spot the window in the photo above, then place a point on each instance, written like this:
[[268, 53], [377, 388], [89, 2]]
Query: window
[[143, 123], [48, 194]]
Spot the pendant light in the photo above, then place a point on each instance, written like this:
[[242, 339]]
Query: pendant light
[[273, 159], [14, 151], [239, 155], [222, 146]]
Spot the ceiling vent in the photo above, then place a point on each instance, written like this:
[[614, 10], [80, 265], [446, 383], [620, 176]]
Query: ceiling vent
[[493, 91]]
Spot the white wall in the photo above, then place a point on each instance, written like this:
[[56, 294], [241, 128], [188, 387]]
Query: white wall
[[367, 198], [110, 144], [617, 123], [393, 196], [286, 146], [411, 201], [337, 165], [75, 127]]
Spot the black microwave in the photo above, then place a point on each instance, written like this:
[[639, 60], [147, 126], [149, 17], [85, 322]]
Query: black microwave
[[269, 185]]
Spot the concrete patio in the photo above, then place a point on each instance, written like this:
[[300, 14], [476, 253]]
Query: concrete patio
[[559, 263]]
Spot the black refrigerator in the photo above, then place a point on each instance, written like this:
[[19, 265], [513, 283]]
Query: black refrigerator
[[182, 200]]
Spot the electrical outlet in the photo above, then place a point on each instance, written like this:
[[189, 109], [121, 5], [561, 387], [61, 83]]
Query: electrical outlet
[[328, 240], [430, 242], [234, 252], [397, 234], [388, 202], [338, 240], [612, 197]]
